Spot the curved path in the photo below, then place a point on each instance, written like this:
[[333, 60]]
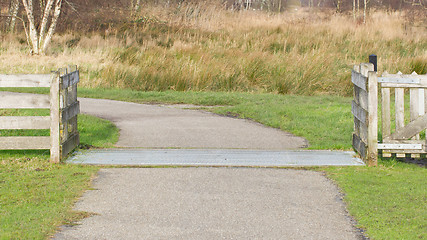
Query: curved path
[[204, 203], [155, 126]]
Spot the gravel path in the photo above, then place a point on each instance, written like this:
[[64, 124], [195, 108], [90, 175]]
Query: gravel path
[[211, 203], [154, 126]]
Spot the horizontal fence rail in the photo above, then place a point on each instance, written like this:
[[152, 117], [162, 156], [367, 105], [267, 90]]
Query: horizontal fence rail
[[62, 121]]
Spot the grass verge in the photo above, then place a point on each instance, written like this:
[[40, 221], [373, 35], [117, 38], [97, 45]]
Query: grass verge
[[36, 196], [388, 201]]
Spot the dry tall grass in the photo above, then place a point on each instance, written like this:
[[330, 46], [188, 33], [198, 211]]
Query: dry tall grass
[[204, 47]]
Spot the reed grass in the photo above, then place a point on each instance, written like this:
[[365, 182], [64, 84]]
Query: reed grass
[[204, 47]]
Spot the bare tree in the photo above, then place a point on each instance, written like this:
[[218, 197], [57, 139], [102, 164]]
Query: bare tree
[[41, 37], [13, 11]]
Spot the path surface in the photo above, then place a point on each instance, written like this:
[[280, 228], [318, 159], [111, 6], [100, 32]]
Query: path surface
[[205, 203], [153, 126], [211, 203]]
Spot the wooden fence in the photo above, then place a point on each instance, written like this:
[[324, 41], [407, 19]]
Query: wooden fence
[[63, 105], [404, 140]]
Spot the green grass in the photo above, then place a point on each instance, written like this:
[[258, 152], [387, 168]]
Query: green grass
[[36, 197], [388, 201]]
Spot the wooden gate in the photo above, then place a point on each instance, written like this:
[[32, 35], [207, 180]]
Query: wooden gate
[[405, 137], [63, 105]]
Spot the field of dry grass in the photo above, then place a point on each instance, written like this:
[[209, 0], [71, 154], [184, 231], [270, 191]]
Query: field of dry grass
[[204, 47]]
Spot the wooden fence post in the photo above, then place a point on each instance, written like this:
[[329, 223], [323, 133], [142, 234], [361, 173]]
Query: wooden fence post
[[55, 152], [373, 117]]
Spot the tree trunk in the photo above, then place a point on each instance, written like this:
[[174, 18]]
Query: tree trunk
[[28, 5], [39, 41], [364, 10], [57, 12], [13, 11]]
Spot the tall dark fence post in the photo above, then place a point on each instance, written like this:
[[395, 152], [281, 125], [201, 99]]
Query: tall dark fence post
[[373, 60]]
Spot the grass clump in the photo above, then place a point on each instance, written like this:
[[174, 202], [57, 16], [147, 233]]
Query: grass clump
[[36, 196]]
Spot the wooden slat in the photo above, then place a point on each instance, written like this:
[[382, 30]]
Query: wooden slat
[[407, 151], [24, 101], [359, 80], [24, 122], [421, 101], [404, 85], [70, 79], [70, 112], [360, 146], [28, 80], [422, 142], [400, 108], [360, 113], [412, 129], [70, 144], [386, 154], [385, 118], [55, 151], [414, 109], [399, 80], [21, 143], [396, 146], [407, 76]]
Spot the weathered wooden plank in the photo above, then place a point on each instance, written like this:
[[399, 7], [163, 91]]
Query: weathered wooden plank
[[360, 146], [400, 108], [406, 151], [21, 101], [386, 154], [405, 85], [70, 111], [69, 145], [422, 142], [414, 109], [365, 68], [24, 122], [363, 132], [372, 117], [399, 80], [21, 143], [406, 76], [70, 79], [421, 101], [401, 155], [359, 80], [360, 113], [55, 151], [27, 80], [401, 146], [412, 129], [385, 117]]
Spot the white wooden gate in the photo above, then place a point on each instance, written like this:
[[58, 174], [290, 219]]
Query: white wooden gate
[[405, 138]]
